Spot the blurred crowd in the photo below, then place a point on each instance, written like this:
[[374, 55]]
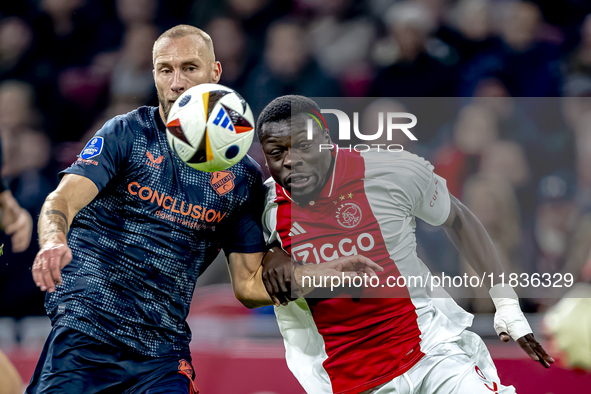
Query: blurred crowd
[[66, 66]]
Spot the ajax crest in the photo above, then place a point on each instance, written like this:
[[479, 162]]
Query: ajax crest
[[348, 214], [222, 182]]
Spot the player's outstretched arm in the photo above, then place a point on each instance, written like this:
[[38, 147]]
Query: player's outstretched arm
[[72, 194], [473, 242], [284, 277], [356, 265], [246, 274], [265, 279], [15, 221]]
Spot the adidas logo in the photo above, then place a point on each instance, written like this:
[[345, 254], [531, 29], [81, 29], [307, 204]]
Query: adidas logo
[[296, 229], [224, 119], [231, 120]]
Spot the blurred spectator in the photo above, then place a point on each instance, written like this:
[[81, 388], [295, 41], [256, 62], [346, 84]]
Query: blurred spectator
[[528, 65], [414, 63], [583, 160], [578, 260], [64, 38], [27, 149], [128, 13], [26, 155], [257, 15], [254, 16], [17, 106], [556, 218], [513, 122], [494, 203], [341, 38], [62, 33], [544, 146], [374, 117], [492, 199], [474, 131], [577, 102], [232, 49], [16, 39], [287, 69], [506, 160], [470, 31], [132, 77], [579, 62], [136, 12]]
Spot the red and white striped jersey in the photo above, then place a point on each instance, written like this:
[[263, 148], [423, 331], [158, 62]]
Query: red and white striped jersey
[[351, 344]]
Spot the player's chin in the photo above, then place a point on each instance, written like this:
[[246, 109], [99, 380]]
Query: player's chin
[[305, 194]]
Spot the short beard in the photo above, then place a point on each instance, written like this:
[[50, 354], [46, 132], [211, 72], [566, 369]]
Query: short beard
[[166, 107]]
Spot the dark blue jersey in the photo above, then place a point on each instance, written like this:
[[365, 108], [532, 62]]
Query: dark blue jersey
[[154, 226]]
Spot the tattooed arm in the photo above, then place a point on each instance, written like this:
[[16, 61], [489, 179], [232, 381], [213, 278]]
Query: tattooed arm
[[72, 194]]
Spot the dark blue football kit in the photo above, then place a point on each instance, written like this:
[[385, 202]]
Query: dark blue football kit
[[138, 249]]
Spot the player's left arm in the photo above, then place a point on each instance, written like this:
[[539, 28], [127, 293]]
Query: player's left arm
[[473, 242]]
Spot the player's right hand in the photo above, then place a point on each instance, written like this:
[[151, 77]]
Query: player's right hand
[[48, 264]]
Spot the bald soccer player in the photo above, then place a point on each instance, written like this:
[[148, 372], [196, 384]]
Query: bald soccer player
[[125, 236], [127, 233]]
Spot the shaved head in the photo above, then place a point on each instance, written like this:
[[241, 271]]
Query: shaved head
[[181, 31], [183, 57]]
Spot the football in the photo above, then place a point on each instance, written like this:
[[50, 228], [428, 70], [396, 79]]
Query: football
[[210, 127]]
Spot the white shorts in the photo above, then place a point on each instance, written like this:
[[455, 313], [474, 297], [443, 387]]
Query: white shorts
[[460, 367]]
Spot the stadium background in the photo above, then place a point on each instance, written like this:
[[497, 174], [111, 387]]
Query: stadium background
[[68, 65]]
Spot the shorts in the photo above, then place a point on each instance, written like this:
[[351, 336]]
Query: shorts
[[460, 367], [73, 362]]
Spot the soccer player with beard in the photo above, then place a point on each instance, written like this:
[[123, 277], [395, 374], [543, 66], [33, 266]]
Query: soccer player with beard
[[118, 265], [126, 234], [323, 204]]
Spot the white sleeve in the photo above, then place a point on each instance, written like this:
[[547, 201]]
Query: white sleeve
[[414, 188], [434, 206], [270, 214]]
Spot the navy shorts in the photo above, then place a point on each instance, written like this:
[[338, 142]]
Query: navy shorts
[[73, 362]]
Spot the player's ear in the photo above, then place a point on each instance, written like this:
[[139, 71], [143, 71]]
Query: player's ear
[[327, 137], [216, 72]]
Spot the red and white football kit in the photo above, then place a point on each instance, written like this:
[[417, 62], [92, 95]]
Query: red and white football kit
[[349, 344]]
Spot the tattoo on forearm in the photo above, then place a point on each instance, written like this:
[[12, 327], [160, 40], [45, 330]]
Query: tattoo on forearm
[[59, 220]]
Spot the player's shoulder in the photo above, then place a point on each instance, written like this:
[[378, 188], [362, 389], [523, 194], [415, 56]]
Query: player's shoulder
[[401, 165], [271, 192], [247, 167], [247, 177], [270, 183], [251, 165], [140, 119]]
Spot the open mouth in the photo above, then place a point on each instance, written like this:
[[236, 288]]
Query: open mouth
[[299, 181]]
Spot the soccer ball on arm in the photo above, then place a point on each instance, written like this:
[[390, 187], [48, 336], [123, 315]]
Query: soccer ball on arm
[[210, 127]]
